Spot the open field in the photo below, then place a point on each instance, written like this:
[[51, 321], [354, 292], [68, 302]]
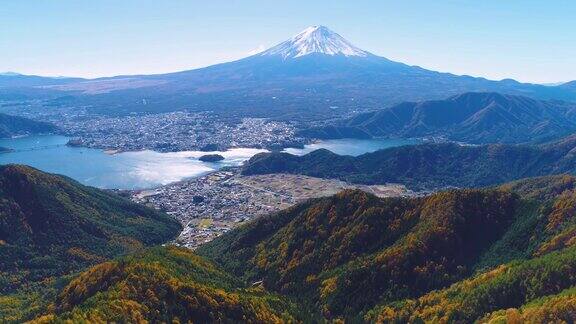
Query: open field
[[213, 204], [299, 187]]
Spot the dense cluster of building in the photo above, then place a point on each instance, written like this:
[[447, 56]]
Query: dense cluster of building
[[179, 131], [213, 204], [210, 205]]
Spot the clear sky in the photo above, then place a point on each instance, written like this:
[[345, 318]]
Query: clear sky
[[528, 40]]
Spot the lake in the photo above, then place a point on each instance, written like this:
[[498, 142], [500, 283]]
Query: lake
[[129, 170], [353, 147], [147, 169]]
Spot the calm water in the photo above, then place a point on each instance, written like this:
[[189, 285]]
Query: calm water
[[353, 147], [130, 170], [146, 169]]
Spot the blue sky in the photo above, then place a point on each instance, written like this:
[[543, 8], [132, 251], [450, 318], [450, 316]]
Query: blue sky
[[529, 40]]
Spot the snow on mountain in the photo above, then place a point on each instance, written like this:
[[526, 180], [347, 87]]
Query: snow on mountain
[[314, 40]]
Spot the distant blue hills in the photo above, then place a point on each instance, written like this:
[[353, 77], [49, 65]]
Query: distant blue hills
[[315, 74]]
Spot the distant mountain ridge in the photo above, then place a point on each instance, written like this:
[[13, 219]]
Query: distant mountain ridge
[[12, 79], [471, 117], [317, 69]]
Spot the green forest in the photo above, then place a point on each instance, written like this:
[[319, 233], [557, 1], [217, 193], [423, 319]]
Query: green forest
[[503, 254], [428, 166]]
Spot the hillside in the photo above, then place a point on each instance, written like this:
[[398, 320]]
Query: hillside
[[458, 256], [428, 166], [346, 252], [355, 256], [17, 126], [535, 283], [540, 290], [164, 284], [471, 117], [51, 226]]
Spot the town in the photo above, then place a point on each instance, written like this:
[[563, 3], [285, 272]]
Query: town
[[164, 132], [179, 131], [215, 203]]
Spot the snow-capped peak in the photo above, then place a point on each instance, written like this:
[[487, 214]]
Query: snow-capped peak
[[315, 39]]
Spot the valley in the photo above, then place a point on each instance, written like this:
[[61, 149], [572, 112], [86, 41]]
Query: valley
[[212, 205]]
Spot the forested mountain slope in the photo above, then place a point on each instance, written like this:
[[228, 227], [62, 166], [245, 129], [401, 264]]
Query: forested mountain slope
[[165, 284], [475, 117], [17, 126], [355, 256], [428, 166], [51, 225], [459, 256]]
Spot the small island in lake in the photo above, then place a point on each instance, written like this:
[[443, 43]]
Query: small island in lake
[[211, 158], [75, 142]]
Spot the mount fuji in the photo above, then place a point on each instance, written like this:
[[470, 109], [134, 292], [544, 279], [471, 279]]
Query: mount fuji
[[315, 39], [314, 75]]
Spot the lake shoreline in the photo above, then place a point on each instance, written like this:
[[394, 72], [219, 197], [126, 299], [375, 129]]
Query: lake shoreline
[[133, 170]]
